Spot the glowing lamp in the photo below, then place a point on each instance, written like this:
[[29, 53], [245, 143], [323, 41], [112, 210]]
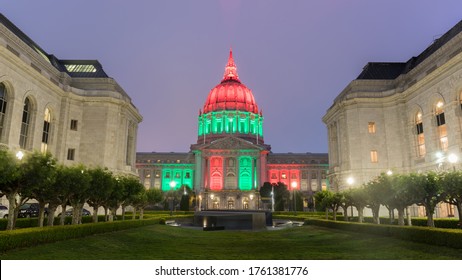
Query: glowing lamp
[[19, 155], [452, 158], [350, 180]]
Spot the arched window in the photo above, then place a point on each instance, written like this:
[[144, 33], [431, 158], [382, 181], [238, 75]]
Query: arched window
[[441, 126], [421, 151], [25, 124], [46, 130], [3, 103]]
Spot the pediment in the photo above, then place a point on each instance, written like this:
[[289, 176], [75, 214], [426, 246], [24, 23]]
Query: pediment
[[232, 143]]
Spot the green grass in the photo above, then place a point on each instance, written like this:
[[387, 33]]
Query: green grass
[[164, 242]]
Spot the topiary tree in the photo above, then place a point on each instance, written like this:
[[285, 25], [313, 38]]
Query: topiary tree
[[39, 176], [101, 186], [451, 186]]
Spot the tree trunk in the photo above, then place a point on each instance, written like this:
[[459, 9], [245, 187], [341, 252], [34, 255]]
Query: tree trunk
[[113, 213], [459, 210], [62, 218], [390, 215], [123, 212], [105, 214], [375, 214], [401, 216], [360, 214], [141, 213], [51, 215], [327, 213], [95, 213], [408, 215], [429, 212], [11, 211], [134, 213], [41, 214], [335, 213], [345, 213], [75, 213]]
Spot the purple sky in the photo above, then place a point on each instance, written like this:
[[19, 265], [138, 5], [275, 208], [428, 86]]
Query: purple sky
[[295, 56]]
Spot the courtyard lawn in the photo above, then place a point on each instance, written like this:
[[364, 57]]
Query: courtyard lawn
[[165, 242]]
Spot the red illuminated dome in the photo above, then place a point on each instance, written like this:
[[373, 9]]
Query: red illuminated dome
[[230, 94]]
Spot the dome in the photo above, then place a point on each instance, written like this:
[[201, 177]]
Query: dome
[[230, 94]]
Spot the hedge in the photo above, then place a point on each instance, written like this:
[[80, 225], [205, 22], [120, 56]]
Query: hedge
[[434, 236], [26, 237], [33, 236]]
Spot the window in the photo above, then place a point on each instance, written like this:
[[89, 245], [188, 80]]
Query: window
[[46, 130], [371, 127], [188, 175], [25, 124], [420, 135], [70, 154], [74, 124], [374, 157], [3, 103], [284, 176], [441, 126]]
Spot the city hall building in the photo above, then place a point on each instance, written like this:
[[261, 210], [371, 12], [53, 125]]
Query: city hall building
[[403, 117], [70, 108], [230, 160]]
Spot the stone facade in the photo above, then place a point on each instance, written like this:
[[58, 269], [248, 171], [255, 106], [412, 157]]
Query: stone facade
[[404, 117], [70, 108]]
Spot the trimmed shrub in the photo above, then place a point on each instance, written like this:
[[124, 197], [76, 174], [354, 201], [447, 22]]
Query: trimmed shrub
[[434, 236], [33, 236]]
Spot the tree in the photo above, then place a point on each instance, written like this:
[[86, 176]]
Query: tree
[[131, 188], [101, 185], [403, 195], [334, 200], [9, 183], [430, 194], [451, 185], [39, 176], [357, 198], [374, 197], [79, 190], [116, 197], [322, 201], [59, 194], [139, 201], [281, 196]]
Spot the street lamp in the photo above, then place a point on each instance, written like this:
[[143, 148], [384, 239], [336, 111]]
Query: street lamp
[[294, 187], [452, 158], [272, 198], [19, 155], [172, 187]]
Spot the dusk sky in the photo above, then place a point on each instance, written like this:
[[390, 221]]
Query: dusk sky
[[295, 56]]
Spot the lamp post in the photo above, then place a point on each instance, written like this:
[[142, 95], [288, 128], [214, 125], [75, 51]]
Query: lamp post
[[294, 187], [272, 198], [172, 187]]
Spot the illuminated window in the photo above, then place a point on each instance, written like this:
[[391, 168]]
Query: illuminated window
[[157, 174], [441, 126], [420, 135], [3, 103], [81, 68], [284, 176], [167, 174], [177, 175], [374, 158], [46, 130], [371, 127], [25, 124]]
